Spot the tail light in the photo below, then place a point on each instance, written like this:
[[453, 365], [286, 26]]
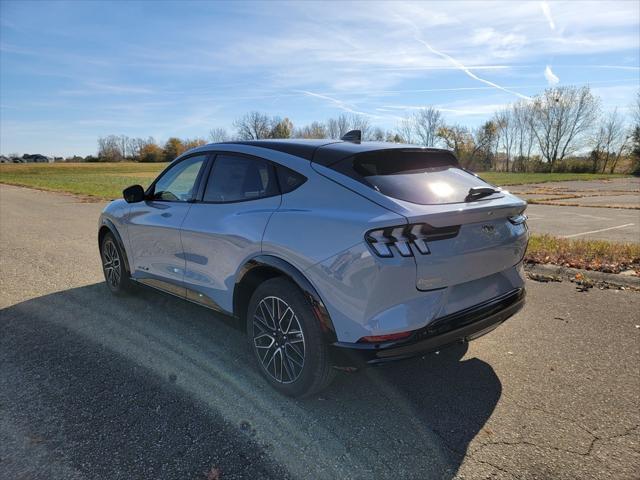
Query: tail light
[[385, 242], [518, 219], [385, 338]]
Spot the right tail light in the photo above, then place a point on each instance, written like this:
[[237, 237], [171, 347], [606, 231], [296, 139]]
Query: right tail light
[[518, 219]]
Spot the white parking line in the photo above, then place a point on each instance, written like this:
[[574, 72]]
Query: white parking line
[[591, 216], [598, 231]]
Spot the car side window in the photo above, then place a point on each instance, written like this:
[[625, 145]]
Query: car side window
[[288, 179], [177, 183], [235, 179]]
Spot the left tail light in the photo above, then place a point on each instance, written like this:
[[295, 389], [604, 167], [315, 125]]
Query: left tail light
[[385, 242]]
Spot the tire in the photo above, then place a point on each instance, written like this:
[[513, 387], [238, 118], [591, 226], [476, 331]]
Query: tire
[[291, 353], [115, 274]]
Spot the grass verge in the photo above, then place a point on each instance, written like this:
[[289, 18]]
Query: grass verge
[[595, 255]]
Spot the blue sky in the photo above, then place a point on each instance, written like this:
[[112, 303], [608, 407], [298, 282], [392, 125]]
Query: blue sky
[[72, 71]]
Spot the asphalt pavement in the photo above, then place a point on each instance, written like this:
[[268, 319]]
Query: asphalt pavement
[[585, 210], [589, 223], [149, 386]]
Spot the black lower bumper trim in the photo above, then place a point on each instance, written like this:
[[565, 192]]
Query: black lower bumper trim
[[462, 326]]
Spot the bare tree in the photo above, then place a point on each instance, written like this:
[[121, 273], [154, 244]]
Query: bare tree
[[136, 145], [635, 137], [561, 116], [405, 130], [507, 133], [218, 135], [524, 133], [123, 143], [313, 130], [337, 127], [253, 126], [484, 138], [110, 149], [377, 135], [360, 122], [426, 123], [133, 147], [610, 141]]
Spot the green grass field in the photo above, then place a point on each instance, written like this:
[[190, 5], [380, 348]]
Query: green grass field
[[99, 180], [106, 180]]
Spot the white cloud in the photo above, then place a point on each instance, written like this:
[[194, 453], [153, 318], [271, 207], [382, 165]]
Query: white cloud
[[551, 77], [501, 44], [546, 10]]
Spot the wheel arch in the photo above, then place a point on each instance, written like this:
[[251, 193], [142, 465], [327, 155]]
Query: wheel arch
[[107, 226], [264, 267]]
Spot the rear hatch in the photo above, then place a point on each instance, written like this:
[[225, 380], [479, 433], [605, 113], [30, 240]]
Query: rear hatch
[[460, 228]]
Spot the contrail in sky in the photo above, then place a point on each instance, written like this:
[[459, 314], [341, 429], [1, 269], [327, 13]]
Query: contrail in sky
[[469, 72]]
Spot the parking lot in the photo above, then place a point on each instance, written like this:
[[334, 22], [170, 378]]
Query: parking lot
[[585, 210], [149, 386]]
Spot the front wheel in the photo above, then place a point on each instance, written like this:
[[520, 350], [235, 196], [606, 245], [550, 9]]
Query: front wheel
[[286, 339], [115, 273]]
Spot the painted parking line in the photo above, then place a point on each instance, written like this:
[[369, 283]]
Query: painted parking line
[[590, 216], [598, 231]]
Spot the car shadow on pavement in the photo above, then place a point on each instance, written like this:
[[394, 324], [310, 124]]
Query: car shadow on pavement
[[413, 419]]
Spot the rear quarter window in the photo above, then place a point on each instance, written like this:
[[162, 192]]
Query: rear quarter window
[[416, 176], [288, 179]]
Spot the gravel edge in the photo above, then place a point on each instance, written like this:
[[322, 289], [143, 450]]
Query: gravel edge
[[560, 272]]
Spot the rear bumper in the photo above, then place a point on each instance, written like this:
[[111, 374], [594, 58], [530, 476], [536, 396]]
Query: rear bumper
[[462, 326]]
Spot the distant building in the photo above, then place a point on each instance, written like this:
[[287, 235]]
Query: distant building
[[28, 158], [36, 158]]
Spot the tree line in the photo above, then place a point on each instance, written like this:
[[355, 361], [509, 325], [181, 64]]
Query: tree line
[[561, 129]]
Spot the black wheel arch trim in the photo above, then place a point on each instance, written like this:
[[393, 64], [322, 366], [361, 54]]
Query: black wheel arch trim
[[105, 222], [275, 263]]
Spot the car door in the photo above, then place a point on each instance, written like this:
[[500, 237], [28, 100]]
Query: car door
[[154, 225], [225, 226]]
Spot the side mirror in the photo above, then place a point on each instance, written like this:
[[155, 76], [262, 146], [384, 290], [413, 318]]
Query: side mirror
[[133, 194]]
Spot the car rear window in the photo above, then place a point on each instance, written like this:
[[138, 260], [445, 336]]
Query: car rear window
[[416, 176]]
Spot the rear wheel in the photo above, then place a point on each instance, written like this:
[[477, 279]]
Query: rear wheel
[[115, 273], [286, 339]]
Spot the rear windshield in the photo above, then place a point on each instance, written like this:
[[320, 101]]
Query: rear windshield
[[424, 177]]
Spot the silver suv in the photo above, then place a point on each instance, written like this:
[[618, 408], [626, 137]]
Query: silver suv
[[333, 253]]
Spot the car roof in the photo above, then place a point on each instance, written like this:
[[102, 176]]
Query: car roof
[[327, 152]]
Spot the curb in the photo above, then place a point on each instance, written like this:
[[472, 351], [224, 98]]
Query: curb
[[555, 271]]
